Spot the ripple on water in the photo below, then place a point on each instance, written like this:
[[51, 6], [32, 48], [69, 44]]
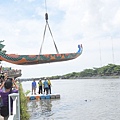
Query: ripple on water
[[40, 109]]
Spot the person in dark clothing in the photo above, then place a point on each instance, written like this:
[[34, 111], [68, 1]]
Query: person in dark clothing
[[7, 84], [40, 86]]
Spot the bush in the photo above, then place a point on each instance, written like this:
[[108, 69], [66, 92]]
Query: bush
[[24, 115]]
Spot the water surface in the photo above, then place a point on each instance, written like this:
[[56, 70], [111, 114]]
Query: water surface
[[88, 99]]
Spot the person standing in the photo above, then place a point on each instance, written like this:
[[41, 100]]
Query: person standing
[[7, 84], [34, 87], [49, 86], [40, 86], [45, 86]]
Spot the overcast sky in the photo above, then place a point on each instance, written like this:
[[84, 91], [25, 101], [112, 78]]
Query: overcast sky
[[93, 23]]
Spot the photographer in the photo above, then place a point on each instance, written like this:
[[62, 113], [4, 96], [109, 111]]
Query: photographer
[[7, 84]]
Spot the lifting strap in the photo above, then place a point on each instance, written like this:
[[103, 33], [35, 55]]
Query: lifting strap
[[47, 24]]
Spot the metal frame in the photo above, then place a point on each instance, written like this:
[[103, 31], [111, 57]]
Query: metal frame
[[16, 106]]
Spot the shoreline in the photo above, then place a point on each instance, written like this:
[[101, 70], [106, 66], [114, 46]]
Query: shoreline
[[100, 77], [94, 77]]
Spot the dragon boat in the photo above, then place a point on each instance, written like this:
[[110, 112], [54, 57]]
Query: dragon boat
[[37, 59]]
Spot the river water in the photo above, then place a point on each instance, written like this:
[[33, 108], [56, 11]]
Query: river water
[[82, 99]]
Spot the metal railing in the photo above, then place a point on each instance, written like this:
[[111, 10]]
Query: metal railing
[[16, 106]]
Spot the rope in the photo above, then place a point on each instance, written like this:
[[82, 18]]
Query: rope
[[43, 39], [47, 24], [53, 39], [45, 6]]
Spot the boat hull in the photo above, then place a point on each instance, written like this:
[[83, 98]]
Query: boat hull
[[39, 59], [36, 59]]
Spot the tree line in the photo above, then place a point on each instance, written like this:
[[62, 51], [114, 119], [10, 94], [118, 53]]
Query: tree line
[[108, 70]]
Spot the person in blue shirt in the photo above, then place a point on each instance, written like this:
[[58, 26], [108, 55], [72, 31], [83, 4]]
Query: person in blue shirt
[[45, 86], [34, 87]]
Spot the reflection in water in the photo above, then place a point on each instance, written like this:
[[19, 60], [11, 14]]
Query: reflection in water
[[40, 109], [46, 107]]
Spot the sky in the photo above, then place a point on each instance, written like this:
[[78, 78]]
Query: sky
[[93, 23]]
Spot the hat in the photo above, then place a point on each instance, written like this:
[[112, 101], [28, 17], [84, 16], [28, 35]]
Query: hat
[[8, 84]]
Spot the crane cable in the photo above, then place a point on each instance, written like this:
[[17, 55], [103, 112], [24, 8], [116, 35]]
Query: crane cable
[[47, 24]]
